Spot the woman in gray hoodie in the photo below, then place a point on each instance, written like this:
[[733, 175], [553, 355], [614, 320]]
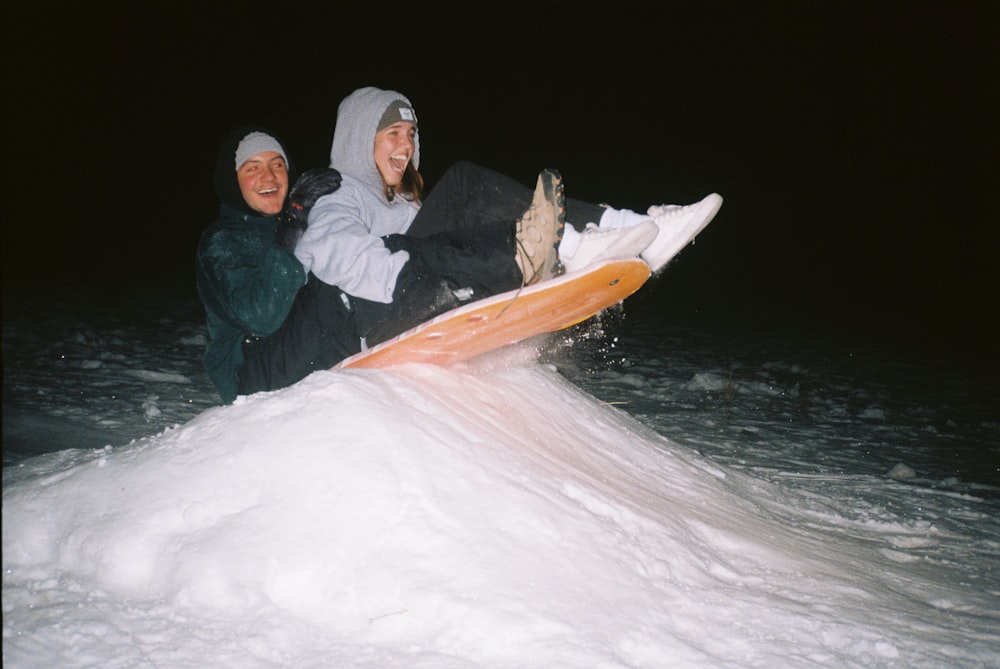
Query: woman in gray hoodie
[[402, 260]]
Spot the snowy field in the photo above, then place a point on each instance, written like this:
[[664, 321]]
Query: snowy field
[[626, 497]]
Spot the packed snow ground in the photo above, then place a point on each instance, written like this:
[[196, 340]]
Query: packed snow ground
[[692, 509]]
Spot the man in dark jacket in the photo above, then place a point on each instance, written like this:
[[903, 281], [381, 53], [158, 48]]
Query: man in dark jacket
[[269, 323]]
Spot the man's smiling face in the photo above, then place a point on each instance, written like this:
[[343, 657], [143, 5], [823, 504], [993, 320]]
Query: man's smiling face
[[263, 182]]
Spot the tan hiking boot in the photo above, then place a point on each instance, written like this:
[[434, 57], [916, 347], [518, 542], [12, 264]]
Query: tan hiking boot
[[540, 230]]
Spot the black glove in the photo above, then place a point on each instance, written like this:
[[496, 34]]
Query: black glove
[[311, 186]]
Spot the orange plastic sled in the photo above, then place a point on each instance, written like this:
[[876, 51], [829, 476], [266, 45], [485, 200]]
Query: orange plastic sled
[[486, 325]]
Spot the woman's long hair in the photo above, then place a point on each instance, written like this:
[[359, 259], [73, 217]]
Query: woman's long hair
[[411, 187]]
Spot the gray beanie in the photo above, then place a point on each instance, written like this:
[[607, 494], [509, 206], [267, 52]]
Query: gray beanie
[[398, 110], [254, 143]]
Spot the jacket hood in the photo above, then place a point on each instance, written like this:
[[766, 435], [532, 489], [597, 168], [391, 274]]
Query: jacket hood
[[358, 117], [227, 187]]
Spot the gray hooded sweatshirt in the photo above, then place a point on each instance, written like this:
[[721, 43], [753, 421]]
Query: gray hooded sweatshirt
[[343, 243]]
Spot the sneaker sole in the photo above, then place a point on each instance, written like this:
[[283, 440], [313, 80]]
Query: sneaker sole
[[671, 240]]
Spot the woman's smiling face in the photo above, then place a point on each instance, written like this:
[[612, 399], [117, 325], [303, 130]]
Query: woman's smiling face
[[394, 146]]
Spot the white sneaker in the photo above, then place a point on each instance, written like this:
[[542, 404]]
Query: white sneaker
[[677, 226], [598, 245]]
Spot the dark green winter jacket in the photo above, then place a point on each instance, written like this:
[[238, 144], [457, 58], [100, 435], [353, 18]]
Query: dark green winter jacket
[[247, 284]]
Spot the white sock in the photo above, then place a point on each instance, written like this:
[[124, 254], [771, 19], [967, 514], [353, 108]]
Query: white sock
[[620, 218], [570, 241]]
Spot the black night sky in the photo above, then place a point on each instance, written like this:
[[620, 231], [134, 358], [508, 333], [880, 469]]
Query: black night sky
[[855, 143]]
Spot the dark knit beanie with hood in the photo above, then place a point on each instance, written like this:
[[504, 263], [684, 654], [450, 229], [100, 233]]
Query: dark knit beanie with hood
[[227, 186]]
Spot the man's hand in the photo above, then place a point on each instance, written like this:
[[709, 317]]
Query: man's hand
[[293, 218], [311, 186]]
